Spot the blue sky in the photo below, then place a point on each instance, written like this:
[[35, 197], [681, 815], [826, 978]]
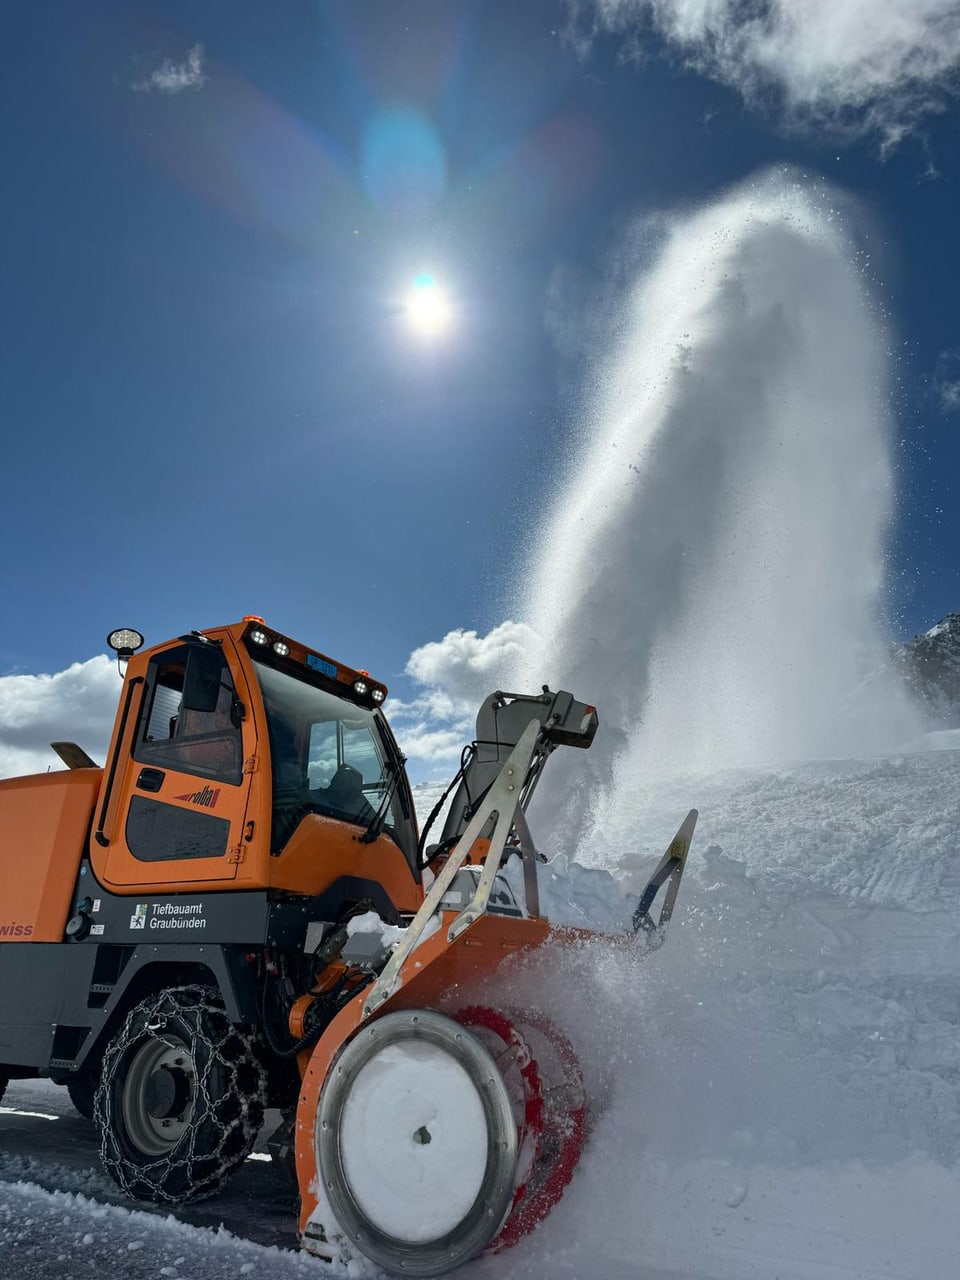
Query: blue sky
[[212, 399]]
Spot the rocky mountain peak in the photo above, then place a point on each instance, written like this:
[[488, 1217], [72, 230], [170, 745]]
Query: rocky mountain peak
[[930, 664]]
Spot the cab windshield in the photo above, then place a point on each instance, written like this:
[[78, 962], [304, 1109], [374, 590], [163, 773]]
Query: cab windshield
[[328, 757]]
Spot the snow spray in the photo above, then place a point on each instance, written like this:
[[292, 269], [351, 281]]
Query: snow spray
[[712, 572]]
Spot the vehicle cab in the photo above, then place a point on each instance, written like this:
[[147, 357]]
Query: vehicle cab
[[242, 759]]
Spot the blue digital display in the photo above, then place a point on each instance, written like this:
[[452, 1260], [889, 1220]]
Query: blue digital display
[[320, 664]]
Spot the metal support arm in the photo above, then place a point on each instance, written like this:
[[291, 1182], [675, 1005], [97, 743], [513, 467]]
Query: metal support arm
[[500, 801]]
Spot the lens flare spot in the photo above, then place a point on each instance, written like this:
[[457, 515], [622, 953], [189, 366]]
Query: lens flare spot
[[427, 307], [404, 162]]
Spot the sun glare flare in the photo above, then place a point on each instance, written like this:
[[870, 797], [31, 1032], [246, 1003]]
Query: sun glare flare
[[427, 308]]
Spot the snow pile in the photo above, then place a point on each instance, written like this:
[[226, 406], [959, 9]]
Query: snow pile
[[369, 922], [571, 894], [783, 1077]]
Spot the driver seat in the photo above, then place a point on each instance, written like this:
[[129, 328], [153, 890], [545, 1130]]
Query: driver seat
[[345, 790]]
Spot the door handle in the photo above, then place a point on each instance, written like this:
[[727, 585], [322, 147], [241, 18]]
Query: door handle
[[150, 779]]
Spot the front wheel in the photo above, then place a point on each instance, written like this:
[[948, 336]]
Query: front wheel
[[181, 1097], [438, 1138], [417, 1144]]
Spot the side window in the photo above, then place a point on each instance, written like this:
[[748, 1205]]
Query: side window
[[206, 743], [165, 706]]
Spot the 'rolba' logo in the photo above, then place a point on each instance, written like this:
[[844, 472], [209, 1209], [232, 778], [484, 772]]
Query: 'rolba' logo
[[14, 930], [208, 797]]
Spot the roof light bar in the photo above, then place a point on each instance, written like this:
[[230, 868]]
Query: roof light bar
[[354, 679]]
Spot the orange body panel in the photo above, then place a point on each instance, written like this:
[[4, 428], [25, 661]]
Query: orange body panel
[[321, 850], [437, 973], [44, 822]]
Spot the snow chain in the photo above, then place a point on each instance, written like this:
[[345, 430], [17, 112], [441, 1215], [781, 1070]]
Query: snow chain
[[228, 1084]]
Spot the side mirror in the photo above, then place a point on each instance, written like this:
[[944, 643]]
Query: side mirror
[[201, 679]]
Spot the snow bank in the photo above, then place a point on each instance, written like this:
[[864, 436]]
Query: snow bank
[[779, 1085]]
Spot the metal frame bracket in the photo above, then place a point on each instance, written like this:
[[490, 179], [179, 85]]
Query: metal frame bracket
[[669, 871]]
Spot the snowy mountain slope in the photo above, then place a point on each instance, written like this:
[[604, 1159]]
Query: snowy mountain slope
[[930, 665], [778, 1087]]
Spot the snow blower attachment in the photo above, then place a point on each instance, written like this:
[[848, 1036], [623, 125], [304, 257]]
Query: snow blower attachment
[[425, 1137], [236, 912]]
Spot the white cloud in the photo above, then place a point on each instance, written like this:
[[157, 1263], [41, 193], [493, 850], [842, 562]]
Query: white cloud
[[175, 77], [75, 705], [858, 65], [464, 667], [455, 675], [432, 745]]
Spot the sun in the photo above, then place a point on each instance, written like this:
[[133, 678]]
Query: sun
[[427, 308]]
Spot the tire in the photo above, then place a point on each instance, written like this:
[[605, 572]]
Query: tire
[[181, 1097], [82, 1088], [4, 1081]]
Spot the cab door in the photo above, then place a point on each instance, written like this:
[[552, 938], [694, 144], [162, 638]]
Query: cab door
[[182, 791]]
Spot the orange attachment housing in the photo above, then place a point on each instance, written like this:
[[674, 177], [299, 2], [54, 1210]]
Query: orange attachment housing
[[437, 974]]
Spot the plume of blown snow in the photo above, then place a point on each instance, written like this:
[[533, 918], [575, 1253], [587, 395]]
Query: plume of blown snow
[[712, 572]]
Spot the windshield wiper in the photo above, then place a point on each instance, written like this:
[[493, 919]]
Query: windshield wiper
[[375, 826]]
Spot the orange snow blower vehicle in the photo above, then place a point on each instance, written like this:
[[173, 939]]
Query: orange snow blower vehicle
[[237, 911]]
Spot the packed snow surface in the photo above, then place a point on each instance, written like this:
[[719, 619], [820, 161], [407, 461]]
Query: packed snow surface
[[776, 1090]]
